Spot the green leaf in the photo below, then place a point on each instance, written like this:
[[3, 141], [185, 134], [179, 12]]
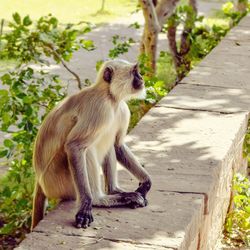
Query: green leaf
[[87, 44], [17, 18], [86, 30], [7, 228], [6, 79], [29, 111], [247, 209], [3, 93], [98, 65], [8, 143], [22, 203], [228, 7], [3, 153], [4, 98], [6, 191], [27, 21], [28, 99], [53, 21], [6, 117]]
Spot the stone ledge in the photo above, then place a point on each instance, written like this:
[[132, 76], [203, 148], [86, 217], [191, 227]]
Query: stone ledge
[[129, 226], [208, 98], [191, 143]]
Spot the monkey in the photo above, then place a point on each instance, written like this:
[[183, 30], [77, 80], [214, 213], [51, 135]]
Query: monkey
[[84, 136]]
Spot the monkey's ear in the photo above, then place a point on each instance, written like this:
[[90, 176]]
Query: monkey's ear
[[107, 75]]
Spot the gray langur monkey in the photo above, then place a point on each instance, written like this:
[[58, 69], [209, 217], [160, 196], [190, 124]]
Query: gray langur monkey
[[81, 134]]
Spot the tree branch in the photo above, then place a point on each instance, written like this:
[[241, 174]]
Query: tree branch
[[79, 84], [171, 34]]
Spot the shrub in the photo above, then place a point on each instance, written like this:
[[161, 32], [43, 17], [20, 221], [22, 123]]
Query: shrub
[[237, 226]]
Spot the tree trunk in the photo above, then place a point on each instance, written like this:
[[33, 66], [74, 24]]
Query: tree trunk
[[242, 5], [150, 34], [150, 42], [103, 5], [181, 61], [177, 57], [155, 14], [189, 24]]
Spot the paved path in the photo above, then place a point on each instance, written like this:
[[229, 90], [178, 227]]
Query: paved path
[[191, 144]]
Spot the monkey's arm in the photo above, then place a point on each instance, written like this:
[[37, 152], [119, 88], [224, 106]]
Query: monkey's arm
[[126, 157], [129, 161]]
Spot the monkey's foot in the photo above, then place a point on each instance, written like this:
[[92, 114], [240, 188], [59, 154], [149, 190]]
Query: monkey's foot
[[134, 200], [83, 218]]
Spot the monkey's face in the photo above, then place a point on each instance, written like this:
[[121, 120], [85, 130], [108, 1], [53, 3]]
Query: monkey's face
[[124, 80]]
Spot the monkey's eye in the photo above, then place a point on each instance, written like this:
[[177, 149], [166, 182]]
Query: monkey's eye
[[136, 74]]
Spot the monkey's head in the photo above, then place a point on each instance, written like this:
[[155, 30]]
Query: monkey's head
[[123, 79]]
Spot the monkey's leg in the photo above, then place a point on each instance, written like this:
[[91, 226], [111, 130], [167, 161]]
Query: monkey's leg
[[110, 173], [77, 163], [130, 199], [38, 205], [129, 161]]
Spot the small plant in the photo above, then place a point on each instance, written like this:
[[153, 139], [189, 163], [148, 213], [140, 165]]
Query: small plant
[[237, 227], [246, 145], [233, 14]]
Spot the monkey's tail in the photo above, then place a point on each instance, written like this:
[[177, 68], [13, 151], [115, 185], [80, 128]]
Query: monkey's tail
[[38, 205]]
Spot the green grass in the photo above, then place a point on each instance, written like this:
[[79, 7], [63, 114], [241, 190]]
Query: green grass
[[68, 11], [165, 70]]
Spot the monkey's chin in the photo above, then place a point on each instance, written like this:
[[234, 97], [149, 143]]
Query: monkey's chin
[[141, 94]]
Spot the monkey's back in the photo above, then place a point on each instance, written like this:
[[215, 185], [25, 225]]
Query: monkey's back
[[50, 137], [59, 122]]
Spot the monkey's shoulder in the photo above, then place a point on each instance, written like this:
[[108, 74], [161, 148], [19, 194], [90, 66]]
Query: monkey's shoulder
[[123, 111], [123, 107]]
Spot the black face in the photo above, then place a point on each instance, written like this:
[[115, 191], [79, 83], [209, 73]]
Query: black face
[[137, 81]]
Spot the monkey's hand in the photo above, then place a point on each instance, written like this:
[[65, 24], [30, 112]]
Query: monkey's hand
[[84, 217], [143, 189], [134, 199]]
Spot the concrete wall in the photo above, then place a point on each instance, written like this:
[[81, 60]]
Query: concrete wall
[[191, 144]]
